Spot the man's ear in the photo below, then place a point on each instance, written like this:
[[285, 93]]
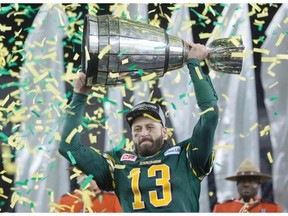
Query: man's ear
[[165, 133]]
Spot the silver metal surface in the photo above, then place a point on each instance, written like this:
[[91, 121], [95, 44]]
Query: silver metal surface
[[221, 57], [138, 49]]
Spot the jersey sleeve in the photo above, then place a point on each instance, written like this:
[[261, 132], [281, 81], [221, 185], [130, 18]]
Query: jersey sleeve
[[83, 157], [200, 151]]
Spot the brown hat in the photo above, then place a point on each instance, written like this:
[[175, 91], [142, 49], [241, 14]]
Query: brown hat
[[247, 168]]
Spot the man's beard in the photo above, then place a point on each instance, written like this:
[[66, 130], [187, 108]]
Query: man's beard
[[150, 150]]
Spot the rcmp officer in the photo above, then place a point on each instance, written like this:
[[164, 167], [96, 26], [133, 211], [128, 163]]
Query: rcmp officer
[[248, 180]]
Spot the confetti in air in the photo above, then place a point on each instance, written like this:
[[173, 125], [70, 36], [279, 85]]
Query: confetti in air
[[36, 83]]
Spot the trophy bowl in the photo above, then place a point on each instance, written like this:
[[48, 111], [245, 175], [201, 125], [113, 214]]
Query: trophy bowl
[[221, 58]]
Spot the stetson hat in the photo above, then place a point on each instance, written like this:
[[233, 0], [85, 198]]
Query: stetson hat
[[247, 168]]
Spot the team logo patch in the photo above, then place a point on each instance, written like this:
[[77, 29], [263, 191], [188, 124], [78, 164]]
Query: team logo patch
[[173, 150], [128, 157]]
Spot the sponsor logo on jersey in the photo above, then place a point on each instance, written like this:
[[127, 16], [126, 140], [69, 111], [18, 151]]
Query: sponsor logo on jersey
[[150, 162], [173, 150], [128, 157]]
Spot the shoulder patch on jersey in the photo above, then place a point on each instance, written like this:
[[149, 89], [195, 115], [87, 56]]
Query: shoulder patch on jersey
[[128, 157], [173, 150]]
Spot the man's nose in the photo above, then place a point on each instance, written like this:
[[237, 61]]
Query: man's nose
[[144, 132]]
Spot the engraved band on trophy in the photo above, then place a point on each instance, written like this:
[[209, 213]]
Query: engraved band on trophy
[[114, 49]]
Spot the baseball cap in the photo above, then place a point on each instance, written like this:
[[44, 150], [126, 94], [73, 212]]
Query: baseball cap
[[154, 110]]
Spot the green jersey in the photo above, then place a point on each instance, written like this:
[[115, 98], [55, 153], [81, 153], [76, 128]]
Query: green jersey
[[168, 181]]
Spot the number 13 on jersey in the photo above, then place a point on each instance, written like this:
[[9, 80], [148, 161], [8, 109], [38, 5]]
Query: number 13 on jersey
[[163, 181]]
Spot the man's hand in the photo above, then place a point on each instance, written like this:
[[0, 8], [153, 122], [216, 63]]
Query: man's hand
[[79, 84], [197, 51]]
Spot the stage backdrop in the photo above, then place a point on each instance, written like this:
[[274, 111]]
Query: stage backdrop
[[41, 176]]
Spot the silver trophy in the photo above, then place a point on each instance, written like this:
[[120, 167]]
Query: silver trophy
[[115, 51]]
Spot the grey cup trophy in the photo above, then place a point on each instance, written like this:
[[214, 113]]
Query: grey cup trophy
[[114, 50]]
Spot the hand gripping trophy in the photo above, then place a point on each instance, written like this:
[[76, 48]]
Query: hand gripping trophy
[[114, 49]]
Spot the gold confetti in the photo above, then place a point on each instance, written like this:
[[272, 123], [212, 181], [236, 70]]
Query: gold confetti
[[169, 95], [123, 91], [188, 25], [264, 51], [241, 78], [125, 61], [11, 107], [177, 78], [87, 54], [148, 77], [51, 56], [3, 102], [57, 136], [225, 97], [113, 75], [271, 73], [198, 72], [4, 28], [95, 94], [240, 54], [253, 127], [235, 41], [226, 146], [31, 68], [105, 50], [40, 77], [269, 156], [76, 56], [52, 89], [135, 172], [76, 173], [72, 134], [14, 93], [282, 56], [273, 85], [6, 179], [280, 39], [259, 22], [265, 131], [263, 14], [128, 105], [256, 7], [268, 59], [60, 17], [92, 138], [242, 136], [207, 110], [204, 35]]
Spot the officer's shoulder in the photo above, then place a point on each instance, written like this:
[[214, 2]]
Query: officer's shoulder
[[268, 202], [225, 201]]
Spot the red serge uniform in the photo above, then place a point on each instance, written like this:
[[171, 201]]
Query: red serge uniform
[[256, 205], [103, 202]]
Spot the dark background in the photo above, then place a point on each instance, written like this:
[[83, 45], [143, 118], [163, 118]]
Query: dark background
[[9, 83]]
